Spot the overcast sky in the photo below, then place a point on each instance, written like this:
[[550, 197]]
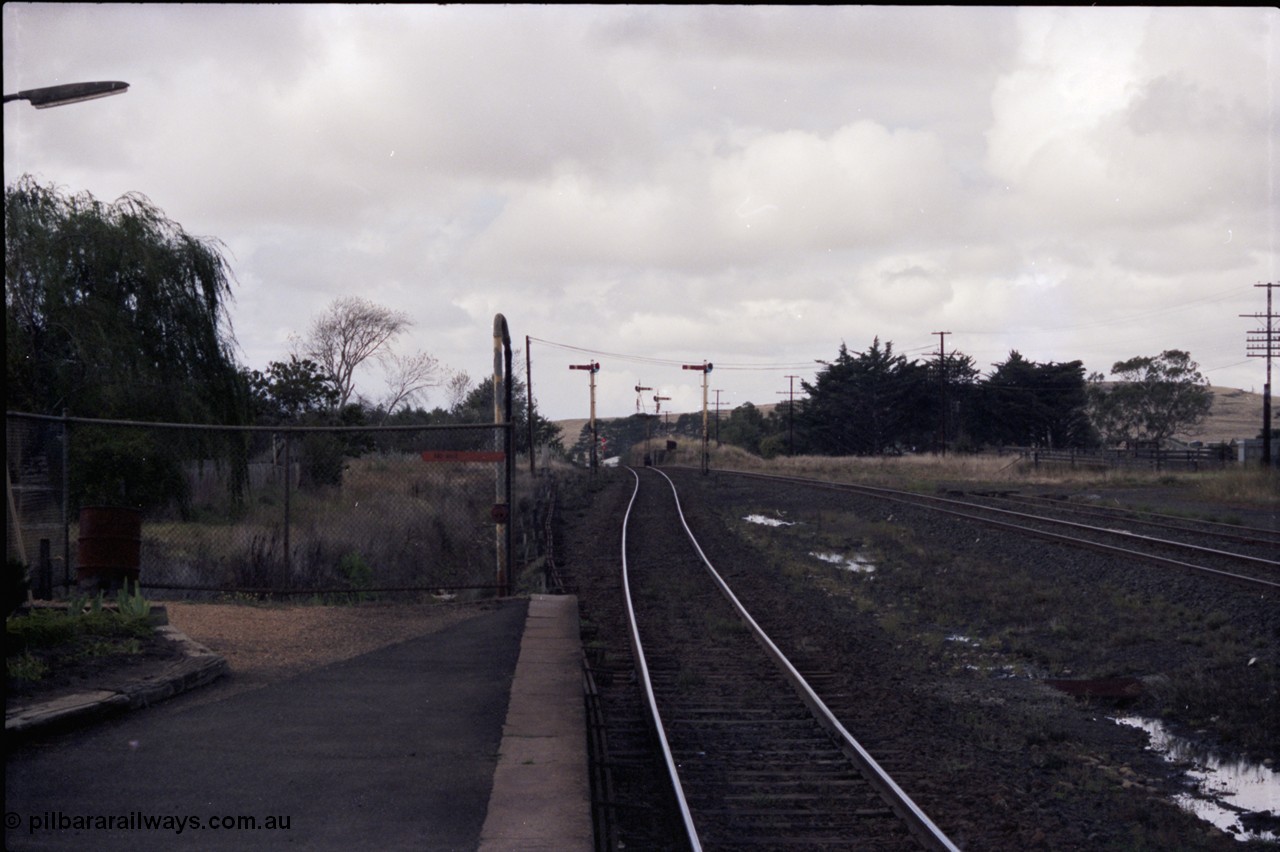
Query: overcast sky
[[749, 186]]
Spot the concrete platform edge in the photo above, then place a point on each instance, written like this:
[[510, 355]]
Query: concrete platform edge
[[541, 796]]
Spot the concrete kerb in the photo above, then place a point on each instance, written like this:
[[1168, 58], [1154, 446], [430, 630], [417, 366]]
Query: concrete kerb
[[198, 666], [541, 796]]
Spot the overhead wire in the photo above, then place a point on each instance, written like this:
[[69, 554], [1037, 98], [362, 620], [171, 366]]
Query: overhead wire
[[672, 362], [810, 365]]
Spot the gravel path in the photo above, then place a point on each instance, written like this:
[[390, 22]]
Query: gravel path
[[263, 643]]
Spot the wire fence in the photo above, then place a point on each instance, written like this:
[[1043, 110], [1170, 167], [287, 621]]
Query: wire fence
[[333, 511]]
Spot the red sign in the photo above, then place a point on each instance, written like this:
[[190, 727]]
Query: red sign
[[464, 456]]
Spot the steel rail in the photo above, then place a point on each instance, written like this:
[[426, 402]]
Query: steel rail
[[927, 502], [1131, 536], [918, 823], [1211, 529], [651, 702]]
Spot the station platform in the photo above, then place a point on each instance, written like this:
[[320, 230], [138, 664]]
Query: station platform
[[470, 738]]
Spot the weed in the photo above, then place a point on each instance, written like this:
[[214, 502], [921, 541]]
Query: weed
[[24, 666], [109, 647], [725, 627], [42, 628], [356, 571], [132, 605], [47, 628]]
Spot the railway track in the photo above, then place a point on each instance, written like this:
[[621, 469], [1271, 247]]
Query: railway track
[[931, 656], [1257, 540], [1251, 562], [754, 757]]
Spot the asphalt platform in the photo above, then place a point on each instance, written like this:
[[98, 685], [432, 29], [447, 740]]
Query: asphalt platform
[[471, 738]]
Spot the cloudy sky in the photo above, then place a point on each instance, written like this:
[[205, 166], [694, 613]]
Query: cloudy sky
[[653, 186]]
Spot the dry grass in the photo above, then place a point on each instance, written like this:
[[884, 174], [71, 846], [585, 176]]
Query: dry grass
[[1250, 485], [927, 472], [394, 522], [1236, 414]]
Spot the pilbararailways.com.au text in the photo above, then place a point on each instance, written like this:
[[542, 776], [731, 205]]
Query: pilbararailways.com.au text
[[142, 821]]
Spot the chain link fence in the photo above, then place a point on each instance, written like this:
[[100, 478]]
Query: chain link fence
[[334, 512]]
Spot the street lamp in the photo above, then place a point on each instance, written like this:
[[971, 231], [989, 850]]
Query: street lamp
[[68, 93]]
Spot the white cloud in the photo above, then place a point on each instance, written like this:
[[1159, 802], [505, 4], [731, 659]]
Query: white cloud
[[744, 184]]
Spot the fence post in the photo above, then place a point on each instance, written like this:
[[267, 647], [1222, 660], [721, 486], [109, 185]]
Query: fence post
[[44, 581], [66, 500], [288, 485]]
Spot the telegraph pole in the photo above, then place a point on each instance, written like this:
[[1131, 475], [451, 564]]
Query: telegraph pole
[[592, 369], [528, 386], [791, 414], [647, 425], [657, 412], [942, 381], [705, 369], [1261, 343], [717, 392]]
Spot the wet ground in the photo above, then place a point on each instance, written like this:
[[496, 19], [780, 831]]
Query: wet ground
[[946, 646]]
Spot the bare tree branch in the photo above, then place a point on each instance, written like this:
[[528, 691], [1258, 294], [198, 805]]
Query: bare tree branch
[[350, 332], [407, 377], [457, 389]]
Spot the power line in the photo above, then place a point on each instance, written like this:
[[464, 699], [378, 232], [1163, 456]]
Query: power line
[[1121, 320], [670, 362]]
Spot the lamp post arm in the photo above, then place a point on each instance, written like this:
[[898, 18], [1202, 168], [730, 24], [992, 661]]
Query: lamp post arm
[[68, 93]]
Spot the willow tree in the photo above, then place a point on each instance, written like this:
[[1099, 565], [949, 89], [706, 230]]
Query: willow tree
[[112, 310]]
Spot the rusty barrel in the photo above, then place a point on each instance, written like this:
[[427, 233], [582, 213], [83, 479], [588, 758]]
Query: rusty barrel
[[110, 548]]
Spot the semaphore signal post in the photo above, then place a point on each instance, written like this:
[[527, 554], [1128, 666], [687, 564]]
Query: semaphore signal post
[[705, 369]]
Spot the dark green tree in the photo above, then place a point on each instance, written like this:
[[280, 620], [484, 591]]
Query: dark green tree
[[745, 427], [1026, 404], [860, 404], [953, 383], [290, 391], [618, 435], [477, 407]]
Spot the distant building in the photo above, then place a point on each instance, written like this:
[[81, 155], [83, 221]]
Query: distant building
[[1250, 450]]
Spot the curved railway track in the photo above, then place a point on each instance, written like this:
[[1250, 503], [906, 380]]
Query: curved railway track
[[939, 656], [754, 757], [1253, 563]]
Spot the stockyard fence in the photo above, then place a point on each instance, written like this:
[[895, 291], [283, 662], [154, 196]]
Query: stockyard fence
[[332, 512], [1137, 458]]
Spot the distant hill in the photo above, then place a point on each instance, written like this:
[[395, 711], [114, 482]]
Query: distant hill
[[1236, 414]]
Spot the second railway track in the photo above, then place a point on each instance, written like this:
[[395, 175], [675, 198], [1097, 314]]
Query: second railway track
[[1251, 562]]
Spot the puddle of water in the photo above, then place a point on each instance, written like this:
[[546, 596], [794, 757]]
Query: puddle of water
[[857, 563], [767, 521], [1225, 789]]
